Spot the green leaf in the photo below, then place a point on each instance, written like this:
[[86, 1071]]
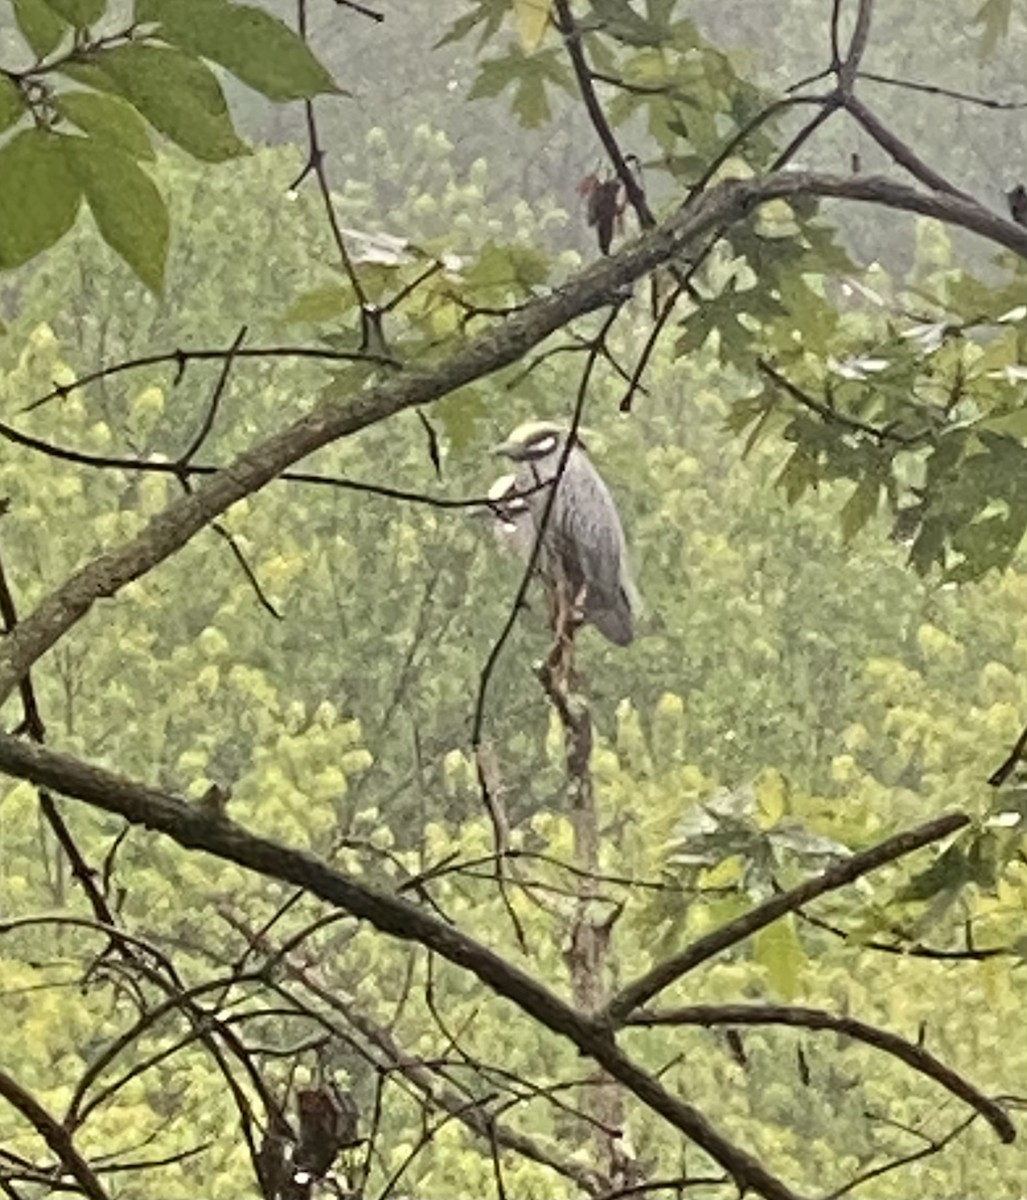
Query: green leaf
[[1013, 424], [107, 119], [504, 269], [532, 17], [946, 874], [320, 304], [778, 949], [489, 12], [80, 13], [41, 27], [256, 47], [178, 94], [799, 473], [12, 103], [127, 207], [697, 326], [860, 506], [994, 15], [461, 414], [89, 74], [619, 20], [529, 75], [39, 196]]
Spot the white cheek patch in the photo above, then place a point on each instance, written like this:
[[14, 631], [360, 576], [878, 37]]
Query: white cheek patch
[[544, 446]]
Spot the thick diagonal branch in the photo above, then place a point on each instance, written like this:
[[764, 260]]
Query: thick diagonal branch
[[55, 1136], [335, 417], [196, 829]]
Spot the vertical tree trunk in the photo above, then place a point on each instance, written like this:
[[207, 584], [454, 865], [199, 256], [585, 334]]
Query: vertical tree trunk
[[587, 953]]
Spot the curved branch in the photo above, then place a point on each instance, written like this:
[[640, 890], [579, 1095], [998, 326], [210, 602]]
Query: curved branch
[[336, 416], [182, 358], [897, 149], [931, 89], [815, 1018], [569, 30], [194, 828], [55, 1136], [163, 466], [665, 973]]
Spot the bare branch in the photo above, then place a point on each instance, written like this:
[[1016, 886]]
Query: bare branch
[[315, 165], [567, 26], [950, 93], [55, 1136], [903, 154], [636, 993], [214, 404], [182, 358], [814, 1018], [160, 466]]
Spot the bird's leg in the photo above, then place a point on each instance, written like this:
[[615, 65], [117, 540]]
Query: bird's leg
[[553, 595], [575, 620], [577, 613], [558, 661]]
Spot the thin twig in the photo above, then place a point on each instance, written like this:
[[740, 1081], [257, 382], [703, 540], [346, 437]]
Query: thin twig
[[362, 9], [916, 1057], [931, 89], [880, 433], [161, 466], [215, 402], [181, 359], [934, 1146], [664, 315], [903, 949], [316, 165]]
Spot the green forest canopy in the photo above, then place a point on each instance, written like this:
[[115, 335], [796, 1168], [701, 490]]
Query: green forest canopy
[[811, 413]]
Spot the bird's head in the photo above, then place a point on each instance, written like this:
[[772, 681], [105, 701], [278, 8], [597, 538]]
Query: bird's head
[[535, 441]]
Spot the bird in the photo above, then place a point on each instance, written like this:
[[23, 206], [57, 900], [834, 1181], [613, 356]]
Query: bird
[[584, 551]]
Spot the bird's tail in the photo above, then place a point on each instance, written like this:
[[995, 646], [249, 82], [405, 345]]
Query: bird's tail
[[616, 624]]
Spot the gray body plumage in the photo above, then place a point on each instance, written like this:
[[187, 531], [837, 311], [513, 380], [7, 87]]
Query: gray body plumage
[[584, 545]]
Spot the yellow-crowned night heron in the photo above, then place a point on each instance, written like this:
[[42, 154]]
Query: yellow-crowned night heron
[[583, 550]]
